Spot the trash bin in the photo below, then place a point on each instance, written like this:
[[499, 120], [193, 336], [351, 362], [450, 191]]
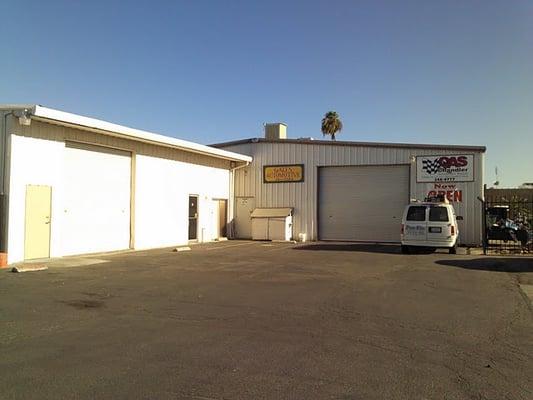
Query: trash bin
[[272, 224]]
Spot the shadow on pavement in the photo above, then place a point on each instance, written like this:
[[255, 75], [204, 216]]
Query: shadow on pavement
[[492, 264], [358, 247]]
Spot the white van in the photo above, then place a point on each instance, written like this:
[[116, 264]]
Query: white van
[[431, 224]]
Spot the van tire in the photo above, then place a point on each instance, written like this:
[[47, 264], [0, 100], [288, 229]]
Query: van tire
[[405, 249], [453, 250]]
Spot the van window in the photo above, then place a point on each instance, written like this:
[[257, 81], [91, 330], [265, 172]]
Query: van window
[[416, 213], [438, 214]]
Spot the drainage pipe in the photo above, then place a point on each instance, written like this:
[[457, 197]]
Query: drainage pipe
[[4, 198]]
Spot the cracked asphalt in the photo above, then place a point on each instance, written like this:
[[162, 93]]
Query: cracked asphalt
[[249, 320]]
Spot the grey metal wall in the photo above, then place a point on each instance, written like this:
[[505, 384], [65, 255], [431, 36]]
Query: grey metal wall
[[303, 196]]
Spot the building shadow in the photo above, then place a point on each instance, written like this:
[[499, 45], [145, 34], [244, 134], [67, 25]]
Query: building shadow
[[356, 247], [496, 264]]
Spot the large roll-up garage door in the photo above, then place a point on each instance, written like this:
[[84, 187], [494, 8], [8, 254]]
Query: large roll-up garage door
[[97, 199], [362, 203]]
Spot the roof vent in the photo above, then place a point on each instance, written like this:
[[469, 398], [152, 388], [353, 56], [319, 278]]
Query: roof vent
[[275, 131]]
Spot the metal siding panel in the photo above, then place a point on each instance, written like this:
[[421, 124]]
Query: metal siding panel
[[41, 130]]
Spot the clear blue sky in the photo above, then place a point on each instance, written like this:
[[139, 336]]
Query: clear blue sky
[[457, 72]]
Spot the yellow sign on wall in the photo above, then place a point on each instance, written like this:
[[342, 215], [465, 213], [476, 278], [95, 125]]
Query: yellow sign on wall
[[283, 173]]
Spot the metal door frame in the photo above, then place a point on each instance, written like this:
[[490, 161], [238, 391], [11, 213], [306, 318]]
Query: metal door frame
[[226, 209], [189, 217]]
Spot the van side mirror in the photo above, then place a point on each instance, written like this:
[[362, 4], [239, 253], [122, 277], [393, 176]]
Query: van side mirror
[[459, 218]]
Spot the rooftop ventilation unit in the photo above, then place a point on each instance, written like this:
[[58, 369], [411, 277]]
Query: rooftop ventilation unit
[[275, 131]]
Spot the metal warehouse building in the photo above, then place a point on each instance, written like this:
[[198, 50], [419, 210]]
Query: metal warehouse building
[[73, 185], [353, 191]]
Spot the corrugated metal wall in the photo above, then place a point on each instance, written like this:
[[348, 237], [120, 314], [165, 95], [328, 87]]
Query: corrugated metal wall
[[303, 196], [49, 131]]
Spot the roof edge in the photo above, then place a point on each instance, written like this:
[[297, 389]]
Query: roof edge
[[79, 121], [15, 107], [352, 143]]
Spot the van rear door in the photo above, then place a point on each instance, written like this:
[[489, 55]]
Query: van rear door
[[414, 229], [439, 224]]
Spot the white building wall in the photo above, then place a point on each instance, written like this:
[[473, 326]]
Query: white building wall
[[34, 162], [164, 179], [162, 192], [303, 196]]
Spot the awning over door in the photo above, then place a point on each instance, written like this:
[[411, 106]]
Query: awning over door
[[271, 212]]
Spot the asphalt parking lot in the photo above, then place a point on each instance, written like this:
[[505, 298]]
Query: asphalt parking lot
[[248, 320]]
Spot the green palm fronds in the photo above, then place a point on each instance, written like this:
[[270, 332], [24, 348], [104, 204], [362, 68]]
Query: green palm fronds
[[331, 124]]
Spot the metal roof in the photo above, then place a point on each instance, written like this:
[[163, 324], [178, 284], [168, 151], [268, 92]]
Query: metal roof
[[271, 212], [355, 144], [77, 121]]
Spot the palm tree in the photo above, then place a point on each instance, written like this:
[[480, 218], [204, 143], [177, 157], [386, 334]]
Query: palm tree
[[331, 124]]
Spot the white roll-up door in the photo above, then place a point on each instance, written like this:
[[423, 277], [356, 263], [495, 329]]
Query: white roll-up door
[[97, 199], [362, 202]]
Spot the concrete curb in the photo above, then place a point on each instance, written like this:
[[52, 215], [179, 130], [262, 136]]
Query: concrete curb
[[180, 249], [29, 268]]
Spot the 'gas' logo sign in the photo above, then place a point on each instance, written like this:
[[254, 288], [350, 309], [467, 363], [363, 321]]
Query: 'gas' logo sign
[[449, 168]]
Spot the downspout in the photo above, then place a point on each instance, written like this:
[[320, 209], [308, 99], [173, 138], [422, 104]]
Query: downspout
[[4, 197], [231, 205]]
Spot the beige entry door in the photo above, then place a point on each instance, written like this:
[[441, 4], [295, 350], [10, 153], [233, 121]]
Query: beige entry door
[[37, 229], [243, 220]]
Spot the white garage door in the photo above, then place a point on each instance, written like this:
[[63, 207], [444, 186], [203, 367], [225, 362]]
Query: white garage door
[[97, 199], [362, 203]]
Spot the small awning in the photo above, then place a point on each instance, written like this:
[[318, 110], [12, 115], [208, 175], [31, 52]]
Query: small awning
[[271, 212]]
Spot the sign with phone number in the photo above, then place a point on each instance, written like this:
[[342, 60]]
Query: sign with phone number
[[445, 168]]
